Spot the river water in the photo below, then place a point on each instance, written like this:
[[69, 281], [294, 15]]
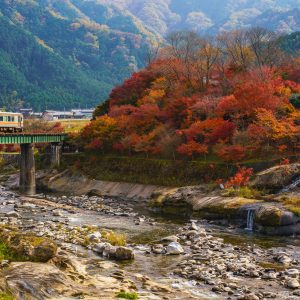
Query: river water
[[122, 217]]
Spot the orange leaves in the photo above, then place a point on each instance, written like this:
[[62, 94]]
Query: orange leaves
[[210, 131], [192, 148]]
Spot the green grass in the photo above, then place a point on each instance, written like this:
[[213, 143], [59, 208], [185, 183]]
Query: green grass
[[245, 192], [6, 253], [130, 296], [6, 296]]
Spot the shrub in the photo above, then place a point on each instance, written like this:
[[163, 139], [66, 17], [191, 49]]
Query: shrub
[[114, 238], [240, 179], [130, 296]]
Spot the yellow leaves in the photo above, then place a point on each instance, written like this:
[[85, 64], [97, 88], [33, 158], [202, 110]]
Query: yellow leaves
[[156, 93], [277, 129], [285, 91]]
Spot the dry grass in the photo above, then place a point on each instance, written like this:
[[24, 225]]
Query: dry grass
[[114, 238], [73, 125], [293, 205]]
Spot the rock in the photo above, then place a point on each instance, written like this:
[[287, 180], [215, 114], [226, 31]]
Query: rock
[[276, 177], [114, 252], [169, 239], [292, 283], [57, 213], [296, 293], [44, 251], [194, 226], [109, 251], [158, 249], [294, 273], [99, 248], [94, 237], [283, 259], [124, 253], [268, 216], [249, 297], [12, 214], [174, 249]]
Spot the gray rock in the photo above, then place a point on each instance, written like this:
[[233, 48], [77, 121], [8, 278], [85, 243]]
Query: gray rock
[[170, 239], [99, 248], [158, 249], [124, 253], [174, 248], [12, 214], [94, 237], [294, 273]]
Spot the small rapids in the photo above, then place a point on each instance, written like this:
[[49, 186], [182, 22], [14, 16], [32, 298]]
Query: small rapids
[[291, 186], [250, 219]]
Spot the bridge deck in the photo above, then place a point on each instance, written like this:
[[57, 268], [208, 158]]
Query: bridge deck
[[27, 138]]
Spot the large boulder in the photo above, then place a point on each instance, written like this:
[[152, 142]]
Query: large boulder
[[44, 251], [174, 249], [124, 253], [273, 216], [276, 177], [28, 246], [114, 252]]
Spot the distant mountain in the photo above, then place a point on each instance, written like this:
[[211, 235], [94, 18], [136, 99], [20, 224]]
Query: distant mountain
[[67, 53], [213, 16]]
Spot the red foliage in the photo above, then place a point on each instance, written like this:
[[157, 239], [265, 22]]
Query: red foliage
[[210, 131], [241, 178], [232, 153], [192, 148], [132, 89], [175, 105], [95, 144], [285, 162]]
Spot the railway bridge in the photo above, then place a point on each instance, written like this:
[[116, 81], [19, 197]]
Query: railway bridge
[[27, 162]]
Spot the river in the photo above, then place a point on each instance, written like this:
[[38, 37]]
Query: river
[[218, 263]]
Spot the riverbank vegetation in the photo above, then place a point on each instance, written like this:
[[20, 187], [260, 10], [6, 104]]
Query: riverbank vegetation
[[226, 100]]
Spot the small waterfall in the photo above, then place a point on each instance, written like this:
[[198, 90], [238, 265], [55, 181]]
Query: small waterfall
[[250, 219], [291, 186]]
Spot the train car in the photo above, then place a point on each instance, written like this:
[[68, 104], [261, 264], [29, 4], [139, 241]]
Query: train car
[[11, 122]]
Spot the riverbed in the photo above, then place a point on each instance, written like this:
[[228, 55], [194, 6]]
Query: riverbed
[[218, 262]]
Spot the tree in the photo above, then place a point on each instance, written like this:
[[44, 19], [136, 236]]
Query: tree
[[102, 133], [191, 148]]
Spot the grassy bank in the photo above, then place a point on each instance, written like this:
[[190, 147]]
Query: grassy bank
[[154, 171]]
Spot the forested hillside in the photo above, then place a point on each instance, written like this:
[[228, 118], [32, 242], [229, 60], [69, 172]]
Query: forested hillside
[[62, 54]]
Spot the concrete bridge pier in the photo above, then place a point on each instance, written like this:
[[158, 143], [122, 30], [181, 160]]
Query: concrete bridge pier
[[55, 157], [27, 170]]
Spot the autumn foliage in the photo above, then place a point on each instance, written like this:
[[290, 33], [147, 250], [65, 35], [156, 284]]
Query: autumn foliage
[[203, 97]]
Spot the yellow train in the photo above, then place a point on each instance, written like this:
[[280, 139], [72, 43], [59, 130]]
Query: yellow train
[[11, 122]]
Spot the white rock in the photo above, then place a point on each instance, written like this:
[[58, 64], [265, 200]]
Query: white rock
[[292, 283], [174, 248]]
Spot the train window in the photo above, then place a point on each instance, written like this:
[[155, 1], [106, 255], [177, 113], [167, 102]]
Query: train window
[[1, 118], [12, 119]]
